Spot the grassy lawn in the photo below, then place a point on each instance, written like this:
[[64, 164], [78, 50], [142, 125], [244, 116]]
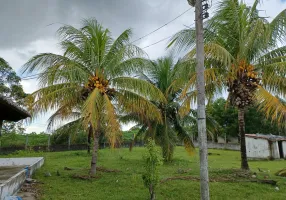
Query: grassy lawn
[[128, 184]]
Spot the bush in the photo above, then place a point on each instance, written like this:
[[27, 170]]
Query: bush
[[152, 159]]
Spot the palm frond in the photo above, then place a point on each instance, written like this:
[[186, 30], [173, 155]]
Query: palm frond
[[138, 86], [272, 106]]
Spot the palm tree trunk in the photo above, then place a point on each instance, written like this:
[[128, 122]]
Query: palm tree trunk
[[94, 151], [241, 125], [89, 139]]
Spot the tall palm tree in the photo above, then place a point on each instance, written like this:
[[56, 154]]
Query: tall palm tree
[[93, 75], [242, 55]]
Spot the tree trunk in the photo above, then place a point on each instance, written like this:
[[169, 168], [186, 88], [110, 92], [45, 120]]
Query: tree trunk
[[152, 192], [89, 139], [204, 174], [1, 124], [94, 151], [241, 125]]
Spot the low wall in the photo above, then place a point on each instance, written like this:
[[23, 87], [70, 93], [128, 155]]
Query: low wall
[[228, 146], [13, 184]]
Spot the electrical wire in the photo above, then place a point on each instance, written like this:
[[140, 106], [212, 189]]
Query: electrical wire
[[161, 26]]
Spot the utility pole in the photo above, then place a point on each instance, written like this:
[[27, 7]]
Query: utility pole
[[201, 13]]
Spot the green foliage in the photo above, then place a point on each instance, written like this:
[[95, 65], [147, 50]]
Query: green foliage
[[11, 88], [168, 77], [237, 32], [226, 117], [152, 160], [90, 83]]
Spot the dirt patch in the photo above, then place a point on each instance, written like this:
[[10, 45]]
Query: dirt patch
[[100, 169], [232, 175], [29, 191]]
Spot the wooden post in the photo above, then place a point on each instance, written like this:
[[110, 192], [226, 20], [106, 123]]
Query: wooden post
[[49, 142], [27, 142], [69, 142], [1, 124]]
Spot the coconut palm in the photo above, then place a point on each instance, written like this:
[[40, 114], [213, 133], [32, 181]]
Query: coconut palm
[[242, 56], [162, 74], [93, 75], [169, 78]]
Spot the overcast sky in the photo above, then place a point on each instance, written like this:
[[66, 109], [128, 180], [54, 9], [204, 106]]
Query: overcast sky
[[28, 27]]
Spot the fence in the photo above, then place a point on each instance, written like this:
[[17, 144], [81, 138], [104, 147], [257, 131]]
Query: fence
[[43, 143]]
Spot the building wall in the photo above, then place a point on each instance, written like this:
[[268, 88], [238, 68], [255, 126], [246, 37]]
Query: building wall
[[275, 150], [284, 148], [257, 148]]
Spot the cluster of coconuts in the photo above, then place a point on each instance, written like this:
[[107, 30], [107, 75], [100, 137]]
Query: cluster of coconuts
[[97, 82], [243, 87]]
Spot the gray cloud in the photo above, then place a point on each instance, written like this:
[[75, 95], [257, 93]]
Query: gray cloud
[[22, 22]]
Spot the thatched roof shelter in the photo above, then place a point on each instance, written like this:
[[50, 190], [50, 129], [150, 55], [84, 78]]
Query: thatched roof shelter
[[10, 111]]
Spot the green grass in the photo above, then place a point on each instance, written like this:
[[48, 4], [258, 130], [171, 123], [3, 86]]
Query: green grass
[[128, 183]]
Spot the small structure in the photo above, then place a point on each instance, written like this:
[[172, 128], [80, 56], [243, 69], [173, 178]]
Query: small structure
[[259, 146], [14, 171], [10, 111]]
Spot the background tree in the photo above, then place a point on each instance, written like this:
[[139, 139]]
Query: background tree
[[11, 88], [241, 55], [255, 121], [93, 75]]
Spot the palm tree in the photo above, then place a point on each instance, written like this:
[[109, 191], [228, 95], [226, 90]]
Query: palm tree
[[162, 74], [242, 56], [93, 75], [169, 78]]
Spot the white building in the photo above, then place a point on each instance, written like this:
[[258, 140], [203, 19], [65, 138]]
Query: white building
[[259, 146]]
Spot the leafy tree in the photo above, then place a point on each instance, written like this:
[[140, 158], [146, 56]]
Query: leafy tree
[[226, 116], [11, 88], [93, 77], [241, 55]]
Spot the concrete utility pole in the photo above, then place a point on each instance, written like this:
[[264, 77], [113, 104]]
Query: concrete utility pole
[[201, 110]]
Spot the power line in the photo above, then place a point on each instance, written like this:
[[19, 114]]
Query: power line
[[161, 26], [157, 42], [162, 39]]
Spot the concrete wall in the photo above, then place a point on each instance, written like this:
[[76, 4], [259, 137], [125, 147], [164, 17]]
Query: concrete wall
[[228, 146], [257, 148], [284, 148], [13, 184], [275, 150], [19, 161]]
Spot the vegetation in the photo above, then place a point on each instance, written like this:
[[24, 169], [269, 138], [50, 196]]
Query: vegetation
[[90, 83], [163, 74], [15, 139], [152, 161], [226, 116], [127, 184], [242, 56], [11, 88]]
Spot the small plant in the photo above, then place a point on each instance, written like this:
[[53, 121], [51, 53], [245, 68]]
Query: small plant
[[152, 159]]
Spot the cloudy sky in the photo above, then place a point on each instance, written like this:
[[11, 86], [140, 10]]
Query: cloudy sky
[[28, 27]]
